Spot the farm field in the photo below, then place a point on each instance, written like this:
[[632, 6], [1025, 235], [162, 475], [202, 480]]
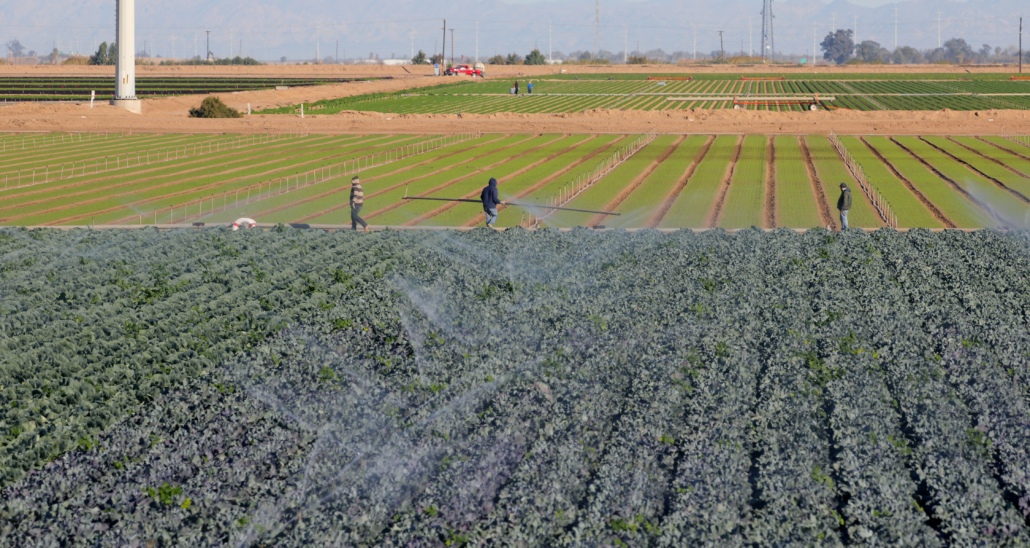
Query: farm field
[[558, 93], [70, 88], [298, 388], [672, 181]]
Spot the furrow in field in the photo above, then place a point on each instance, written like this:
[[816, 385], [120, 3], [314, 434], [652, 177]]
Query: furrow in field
[[796, 205], [170, 176], [1004, 178], [770, 185], [673, 195], [549, 183], [444, 215], [1009, 145], [307, 202], [831, 171], [817, 186], [650, 197], [54, 158], [405, 211], [984, 193], [911, 206], [181, 165], [390, 190], [694, 207], [741, 205], [1008, 160], [601, 192], [174, 190], [633, 185]]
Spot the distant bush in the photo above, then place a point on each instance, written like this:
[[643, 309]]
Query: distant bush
[[213, 107], [77, 60]]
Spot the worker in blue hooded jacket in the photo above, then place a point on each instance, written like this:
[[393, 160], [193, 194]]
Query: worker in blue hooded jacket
[[490, 202]]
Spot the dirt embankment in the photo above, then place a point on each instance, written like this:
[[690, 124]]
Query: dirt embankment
[[170, 116]]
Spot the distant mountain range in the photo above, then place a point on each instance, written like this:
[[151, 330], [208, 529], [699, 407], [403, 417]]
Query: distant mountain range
[[269, 29]]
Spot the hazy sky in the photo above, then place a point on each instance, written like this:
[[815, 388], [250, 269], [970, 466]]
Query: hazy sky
[[866, 3]]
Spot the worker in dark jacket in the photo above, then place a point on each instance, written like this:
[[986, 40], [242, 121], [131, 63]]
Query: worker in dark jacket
[[516, 87], [357, 200], [490, 202], [844, 204]]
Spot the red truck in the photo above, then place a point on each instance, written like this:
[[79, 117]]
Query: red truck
[[467, 70]]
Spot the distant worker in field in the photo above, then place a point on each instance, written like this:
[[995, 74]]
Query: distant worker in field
[[357, 199], [516, 87], [529, 87], [490, 202], [844, 204]]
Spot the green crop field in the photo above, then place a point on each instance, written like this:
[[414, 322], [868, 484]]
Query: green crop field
[[671, 181], [576, 93]]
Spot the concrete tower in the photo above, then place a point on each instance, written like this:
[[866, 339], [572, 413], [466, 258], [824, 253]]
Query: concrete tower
[[125, 86]]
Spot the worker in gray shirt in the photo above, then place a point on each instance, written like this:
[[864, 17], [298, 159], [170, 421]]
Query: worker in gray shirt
[[357, 199]]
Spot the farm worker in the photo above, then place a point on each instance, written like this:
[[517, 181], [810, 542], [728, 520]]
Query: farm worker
[[490, 202], [357, 199], [529, 86], [516, 87], [844, 204]]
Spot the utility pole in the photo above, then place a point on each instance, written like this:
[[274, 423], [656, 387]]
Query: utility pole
[[856, 34], [750, 39], [412, 45], [318, 44], [195, 52], [230, 44], [452, 47], [625, 44], [938, 29], [598, 40], [443, 53], [815, 58], [895, 29], [549, 58], [695, 40], [477, 43], [208, 57], [337, 58], [722, 49], [1021, 45]]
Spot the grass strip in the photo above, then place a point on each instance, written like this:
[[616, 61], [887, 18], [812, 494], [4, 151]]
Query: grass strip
[[694, 203], [796, 205]]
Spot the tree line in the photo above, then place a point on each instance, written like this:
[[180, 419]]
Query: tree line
[[839, 47]]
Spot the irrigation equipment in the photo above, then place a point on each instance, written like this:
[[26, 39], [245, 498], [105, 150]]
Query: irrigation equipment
[[406, 197]]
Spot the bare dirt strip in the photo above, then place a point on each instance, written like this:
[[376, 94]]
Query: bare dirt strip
[[674, 193], [770, 184], [409, 181], [995, 160], [216, 185], [636, 182], [474, 145], [472, 195], [1003, 186], [724, 188], [947, 179], [156, 167], [481, 217], [937, 213], [817, 187], [477, 172]]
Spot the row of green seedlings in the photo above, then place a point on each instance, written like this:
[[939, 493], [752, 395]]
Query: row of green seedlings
[[572, 189], [28, 142], [282, 185], [883, 207], [124, 161]]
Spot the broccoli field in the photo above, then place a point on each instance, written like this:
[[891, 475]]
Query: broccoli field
[[294, 388]]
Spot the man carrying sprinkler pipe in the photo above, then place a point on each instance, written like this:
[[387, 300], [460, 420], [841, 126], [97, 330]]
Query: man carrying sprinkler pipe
[[357, 200], [844, 204], [490, 202]]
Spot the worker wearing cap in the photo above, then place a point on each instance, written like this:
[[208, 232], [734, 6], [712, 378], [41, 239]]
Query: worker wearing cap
[[529, 87], [844, 204], [357, 199], [490, 202]]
